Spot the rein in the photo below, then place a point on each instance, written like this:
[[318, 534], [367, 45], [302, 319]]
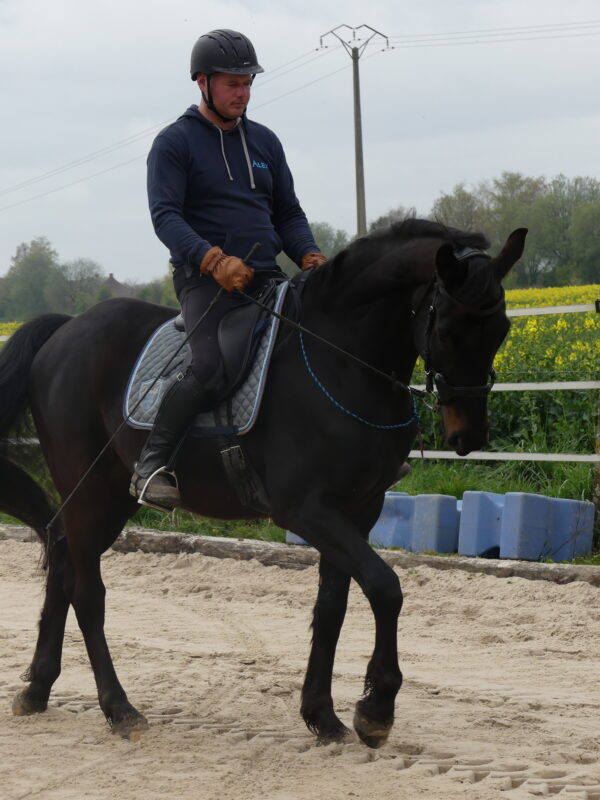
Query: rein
[[396, 384]]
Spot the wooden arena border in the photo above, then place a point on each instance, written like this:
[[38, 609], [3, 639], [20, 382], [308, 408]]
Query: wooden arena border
[[286, 556]]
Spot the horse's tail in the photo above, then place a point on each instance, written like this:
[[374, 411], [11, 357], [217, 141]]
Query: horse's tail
[[16, 359], [20, 495], [23, 498]]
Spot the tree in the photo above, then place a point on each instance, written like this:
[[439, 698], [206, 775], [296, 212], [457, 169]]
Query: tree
[[35, 282], [585, 237], [462, 209], [85, 277], [394, 215], [160, 291], [329, 241]]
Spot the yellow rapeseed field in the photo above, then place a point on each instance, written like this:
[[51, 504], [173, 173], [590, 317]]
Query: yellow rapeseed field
[[550, 347], [7, 328], [553, 346], [552, 296]]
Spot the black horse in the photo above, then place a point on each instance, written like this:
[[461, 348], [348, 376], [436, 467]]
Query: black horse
[[330, 438]]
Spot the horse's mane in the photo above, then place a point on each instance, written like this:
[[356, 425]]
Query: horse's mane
[[356, 260], [412, 228]]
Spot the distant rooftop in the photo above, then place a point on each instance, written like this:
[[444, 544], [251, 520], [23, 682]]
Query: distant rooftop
[[116, 288]]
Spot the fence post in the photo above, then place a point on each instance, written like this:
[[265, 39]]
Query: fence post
[[596, 486]]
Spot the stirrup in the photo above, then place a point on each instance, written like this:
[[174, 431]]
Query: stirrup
[[140, 496]]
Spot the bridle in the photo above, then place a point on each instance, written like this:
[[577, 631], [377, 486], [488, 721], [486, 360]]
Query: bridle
[[446, 391]]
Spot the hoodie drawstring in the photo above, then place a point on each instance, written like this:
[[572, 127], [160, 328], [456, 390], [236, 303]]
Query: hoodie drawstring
[[240, 128], [223, 152], [245, 146]]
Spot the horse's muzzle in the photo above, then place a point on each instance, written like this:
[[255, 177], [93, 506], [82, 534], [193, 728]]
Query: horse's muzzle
[[465, 432]]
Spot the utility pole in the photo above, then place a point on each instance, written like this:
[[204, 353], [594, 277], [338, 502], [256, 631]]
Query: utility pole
[[355, 46]]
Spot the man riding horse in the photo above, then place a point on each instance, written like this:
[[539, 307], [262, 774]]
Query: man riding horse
[[217, 183]]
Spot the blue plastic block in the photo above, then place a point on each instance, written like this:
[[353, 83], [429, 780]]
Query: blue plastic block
[[525, 532], [535, 527], [480, 523], [436, 524], [515, 525], [572, 527], [427, 522], [395, 524], [291, 538]]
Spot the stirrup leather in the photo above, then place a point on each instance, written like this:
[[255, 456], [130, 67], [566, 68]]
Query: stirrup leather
[[140, 496]]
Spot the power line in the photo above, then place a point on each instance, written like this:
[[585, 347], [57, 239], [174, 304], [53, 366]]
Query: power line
[[136, 158], [84, 159], [404, 41], [316, 54], [516, 29], [450, 43], [500, 35], [138, 136], [72, 183]]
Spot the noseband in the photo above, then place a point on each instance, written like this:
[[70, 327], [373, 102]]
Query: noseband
[[445, 390]]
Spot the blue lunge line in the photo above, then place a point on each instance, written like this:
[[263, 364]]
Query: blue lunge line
[[311, 372]]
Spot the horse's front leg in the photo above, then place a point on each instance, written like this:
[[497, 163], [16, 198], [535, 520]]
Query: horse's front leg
[[374, 713], [329, 612], [88, 602], [341, 543]]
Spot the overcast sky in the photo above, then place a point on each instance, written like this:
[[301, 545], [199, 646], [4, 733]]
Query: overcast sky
[[86, 87]]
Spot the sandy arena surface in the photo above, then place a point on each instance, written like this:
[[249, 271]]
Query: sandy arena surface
[[501, 696]]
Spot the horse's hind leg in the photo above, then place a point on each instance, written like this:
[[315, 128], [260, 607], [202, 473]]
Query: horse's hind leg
[[90, 532], [45, 667], [330, 610]]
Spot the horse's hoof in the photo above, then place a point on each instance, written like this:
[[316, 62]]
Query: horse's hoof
[[130, 727], [373, 734], [24, 705], [340, 735]]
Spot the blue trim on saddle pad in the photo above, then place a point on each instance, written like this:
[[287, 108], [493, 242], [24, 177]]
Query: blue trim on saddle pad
[[147, 385]]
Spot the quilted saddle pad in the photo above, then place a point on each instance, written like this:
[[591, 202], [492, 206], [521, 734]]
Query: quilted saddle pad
[[157, 367]]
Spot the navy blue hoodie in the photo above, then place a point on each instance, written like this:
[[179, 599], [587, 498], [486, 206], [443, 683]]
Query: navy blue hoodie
[[233, 188]]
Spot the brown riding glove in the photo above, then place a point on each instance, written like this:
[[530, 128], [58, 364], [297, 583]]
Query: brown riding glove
[[311, 260], [229, 272]]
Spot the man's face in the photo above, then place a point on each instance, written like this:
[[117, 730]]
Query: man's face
[[230, 93]]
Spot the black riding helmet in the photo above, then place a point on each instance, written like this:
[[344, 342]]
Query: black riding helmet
[[223, 50]]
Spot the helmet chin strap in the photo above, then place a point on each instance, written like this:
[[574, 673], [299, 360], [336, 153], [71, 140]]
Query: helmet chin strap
[[209, 102]]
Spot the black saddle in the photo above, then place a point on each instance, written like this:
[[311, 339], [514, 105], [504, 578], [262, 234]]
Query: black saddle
[[239, 334]]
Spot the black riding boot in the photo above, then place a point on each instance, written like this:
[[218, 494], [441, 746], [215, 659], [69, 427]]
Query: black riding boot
[[152, 482]]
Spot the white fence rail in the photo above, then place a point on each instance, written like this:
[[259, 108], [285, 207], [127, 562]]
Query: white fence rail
[[522, 387]]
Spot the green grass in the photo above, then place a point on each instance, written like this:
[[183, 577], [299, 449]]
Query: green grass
[[427, 477], [6, 520], [454, 477], [184, 522]]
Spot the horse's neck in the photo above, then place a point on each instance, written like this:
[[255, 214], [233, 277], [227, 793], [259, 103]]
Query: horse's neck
[[375, 326]]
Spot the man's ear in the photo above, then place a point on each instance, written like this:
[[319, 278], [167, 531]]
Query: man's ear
[[201, 81]]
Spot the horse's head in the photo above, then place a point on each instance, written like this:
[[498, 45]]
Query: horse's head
[[466, 324]]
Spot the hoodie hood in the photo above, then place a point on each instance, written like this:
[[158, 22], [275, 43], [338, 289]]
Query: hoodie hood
[[238, 128]]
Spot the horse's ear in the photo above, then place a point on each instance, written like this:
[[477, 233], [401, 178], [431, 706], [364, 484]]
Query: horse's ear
[[510, 253], [450, 270]]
